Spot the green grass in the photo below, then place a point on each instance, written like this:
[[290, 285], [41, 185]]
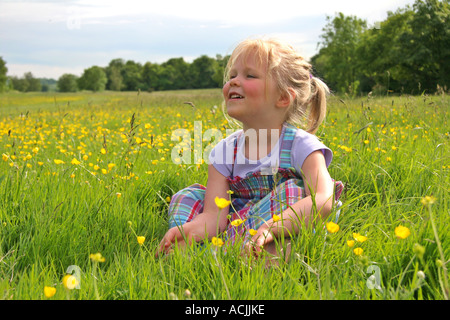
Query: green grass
[[390, 152]]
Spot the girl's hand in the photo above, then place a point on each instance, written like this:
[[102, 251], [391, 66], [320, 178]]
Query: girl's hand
[[190, 232], [194, 231], [260, 240], [172, 235]]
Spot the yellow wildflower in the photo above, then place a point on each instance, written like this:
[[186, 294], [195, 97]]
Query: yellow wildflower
[[69, 281], [75, 161], [103, 151], [49, 291], [5, 157], [57, 161], [222, 203], [217, 242], [402, 232], [140, 240], [428, 200], [276, 218], [358, 251], [97, 257], [118, 194], [252, 232], [351, 243], [237, 222], [332, 227], [359, 237]]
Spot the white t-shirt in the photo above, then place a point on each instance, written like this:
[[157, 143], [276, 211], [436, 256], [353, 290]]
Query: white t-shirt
[[221, 156]]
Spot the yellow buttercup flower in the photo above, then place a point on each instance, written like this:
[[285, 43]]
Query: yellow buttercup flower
[[69, 281], [57, 161], [97, 257], [402, 232], [428, 200], [140, 240], [351, 243], [332, 227], [217, 242], [359, 237], [276, 218], [358, 251], [237, 222], [49, 291], [5, 157], [252, 232], [75, 161], [222, 203], [103, 151]]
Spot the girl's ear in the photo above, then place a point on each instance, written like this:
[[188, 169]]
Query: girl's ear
[[286, 98]]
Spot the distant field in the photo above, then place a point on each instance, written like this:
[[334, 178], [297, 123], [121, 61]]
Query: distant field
[[87, 173]]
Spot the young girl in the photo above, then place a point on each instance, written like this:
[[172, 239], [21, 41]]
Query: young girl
[[276, 173]]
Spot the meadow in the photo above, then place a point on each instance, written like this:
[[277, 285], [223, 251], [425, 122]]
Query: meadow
[[85, 181]]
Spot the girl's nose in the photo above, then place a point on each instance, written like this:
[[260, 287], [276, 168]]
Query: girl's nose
[[234, 82]]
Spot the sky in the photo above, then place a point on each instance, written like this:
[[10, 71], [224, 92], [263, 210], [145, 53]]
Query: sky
[[50, 38]]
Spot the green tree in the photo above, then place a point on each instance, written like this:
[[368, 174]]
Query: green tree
[[150, 76], [67, 83], [114, 72], [426, 45], [176, 72], [220, 69], [3, 77], [132, 76], [202, 72], [381, 56], [336, 60], [33, 83], [93, 78]]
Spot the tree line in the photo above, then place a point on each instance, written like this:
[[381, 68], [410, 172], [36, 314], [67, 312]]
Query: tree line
[[408, 52]]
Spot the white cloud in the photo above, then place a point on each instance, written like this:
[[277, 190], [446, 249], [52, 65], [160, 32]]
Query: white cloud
[[230, 12], [54, 37], [42, 71]]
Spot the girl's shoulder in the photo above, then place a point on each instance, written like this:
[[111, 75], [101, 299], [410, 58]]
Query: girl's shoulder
[[304, 143]]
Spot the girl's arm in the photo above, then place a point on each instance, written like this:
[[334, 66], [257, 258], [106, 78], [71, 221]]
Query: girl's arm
[[209, 222], [318, 181]]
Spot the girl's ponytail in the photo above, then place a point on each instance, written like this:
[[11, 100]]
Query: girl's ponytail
[[318, 104]]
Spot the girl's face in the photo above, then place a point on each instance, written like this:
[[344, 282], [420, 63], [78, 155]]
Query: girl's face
[[250, 94]]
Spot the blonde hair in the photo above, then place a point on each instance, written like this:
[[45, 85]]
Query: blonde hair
[[291, 72]]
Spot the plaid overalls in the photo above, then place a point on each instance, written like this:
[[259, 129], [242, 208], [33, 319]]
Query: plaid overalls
[[255, 198]]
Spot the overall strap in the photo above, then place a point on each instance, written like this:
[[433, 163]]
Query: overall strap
[[286, 146]]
